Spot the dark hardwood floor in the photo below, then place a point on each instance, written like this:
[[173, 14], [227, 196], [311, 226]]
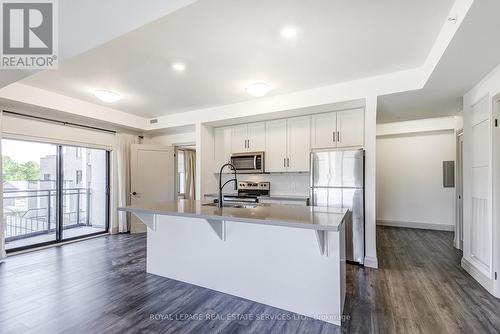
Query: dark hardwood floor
[[100, 286]]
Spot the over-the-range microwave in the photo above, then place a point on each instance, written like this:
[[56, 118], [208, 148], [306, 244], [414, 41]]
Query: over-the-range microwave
[[248, 162]]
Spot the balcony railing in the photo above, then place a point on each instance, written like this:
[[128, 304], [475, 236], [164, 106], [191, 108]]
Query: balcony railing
[[29, 213]]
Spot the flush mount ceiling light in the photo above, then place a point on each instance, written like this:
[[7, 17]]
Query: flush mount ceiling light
[[179, 67], [258, 89], [106, 95], [289, 32]]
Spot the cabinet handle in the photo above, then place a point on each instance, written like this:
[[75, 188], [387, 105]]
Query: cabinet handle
[[333, 135], [284, 162], [288, 162], [338, 136]]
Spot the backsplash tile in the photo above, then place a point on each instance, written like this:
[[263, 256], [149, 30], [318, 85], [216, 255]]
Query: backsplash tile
[[281, 183]]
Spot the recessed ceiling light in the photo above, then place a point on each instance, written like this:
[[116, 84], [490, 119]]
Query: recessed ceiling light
[[179, 67], [107, 95], [289, 32], [258, 89]]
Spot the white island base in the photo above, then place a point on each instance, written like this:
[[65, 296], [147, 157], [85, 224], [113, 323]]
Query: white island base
[[295, 269]]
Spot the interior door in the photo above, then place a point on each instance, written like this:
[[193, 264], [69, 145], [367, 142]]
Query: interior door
[[350, 127], [152, 177], [256, 137], [239, 137], [276, 146], [460, 195], [324, 130], [299, 147]]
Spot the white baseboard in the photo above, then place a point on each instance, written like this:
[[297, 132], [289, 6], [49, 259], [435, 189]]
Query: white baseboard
[[371, 262], [423, 226], [482, 279]]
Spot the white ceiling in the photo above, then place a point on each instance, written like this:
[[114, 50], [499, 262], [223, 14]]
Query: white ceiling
[[473, 52], [228, 43]]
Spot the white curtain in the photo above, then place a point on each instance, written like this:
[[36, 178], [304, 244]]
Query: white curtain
[[124, 141], [189, 173], [2, 233]]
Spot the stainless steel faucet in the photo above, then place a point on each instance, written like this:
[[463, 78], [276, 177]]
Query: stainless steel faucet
[[221, 186]]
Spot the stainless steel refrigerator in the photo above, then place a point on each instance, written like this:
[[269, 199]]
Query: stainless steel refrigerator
[[337, 180]]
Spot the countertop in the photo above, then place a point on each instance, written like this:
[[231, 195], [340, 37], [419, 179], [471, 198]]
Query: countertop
[[307, 217], [272, 196]]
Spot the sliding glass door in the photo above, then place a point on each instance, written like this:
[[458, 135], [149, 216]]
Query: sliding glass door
[[53, 193], [85, 175], [29, 193]]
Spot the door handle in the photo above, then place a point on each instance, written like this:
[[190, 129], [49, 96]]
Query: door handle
[[134, 193]]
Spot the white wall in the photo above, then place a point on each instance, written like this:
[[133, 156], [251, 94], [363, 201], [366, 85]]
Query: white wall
[[173, 139], [281, 183], [410, 188], [481, 238]]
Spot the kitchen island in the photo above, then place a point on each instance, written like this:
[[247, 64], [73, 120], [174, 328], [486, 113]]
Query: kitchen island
[[289, 257]]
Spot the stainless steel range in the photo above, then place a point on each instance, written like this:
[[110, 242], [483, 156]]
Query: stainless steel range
[[249, 192]]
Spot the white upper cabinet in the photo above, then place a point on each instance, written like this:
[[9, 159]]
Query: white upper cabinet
[[324, 129], [248, 137], [239, 138], [350, 128], [299, 146], [276, 141], [256, 137], [288, 142], [288, 145], [338, 129], [222, 144]]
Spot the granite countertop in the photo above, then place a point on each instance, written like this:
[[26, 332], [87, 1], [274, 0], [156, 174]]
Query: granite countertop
[[272, 196], [307, 217]]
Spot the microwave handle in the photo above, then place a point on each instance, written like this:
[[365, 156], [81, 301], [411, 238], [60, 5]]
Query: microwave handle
[[255, 162]]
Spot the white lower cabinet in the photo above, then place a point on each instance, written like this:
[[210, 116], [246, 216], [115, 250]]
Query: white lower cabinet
[[288, 145]]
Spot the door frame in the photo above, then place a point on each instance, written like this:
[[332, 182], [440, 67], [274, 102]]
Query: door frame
[[496, 194], [459, 222]]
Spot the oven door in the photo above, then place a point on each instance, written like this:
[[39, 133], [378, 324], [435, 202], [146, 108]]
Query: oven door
[[248, 162]]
